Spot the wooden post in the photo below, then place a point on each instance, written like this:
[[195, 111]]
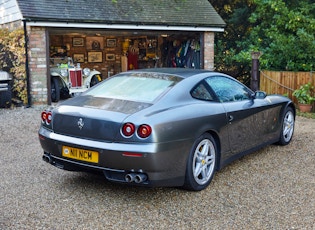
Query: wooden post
[[255, 77]]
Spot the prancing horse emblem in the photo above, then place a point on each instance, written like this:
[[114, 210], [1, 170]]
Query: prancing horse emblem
[[80, 123]]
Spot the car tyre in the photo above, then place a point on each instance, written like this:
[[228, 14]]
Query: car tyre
[[55, 90], [287, 129], [201, 164], [95, 80]]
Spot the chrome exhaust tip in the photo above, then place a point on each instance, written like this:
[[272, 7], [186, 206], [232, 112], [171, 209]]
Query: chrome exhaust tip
[[130, 177], [139, 178], [46, 158]]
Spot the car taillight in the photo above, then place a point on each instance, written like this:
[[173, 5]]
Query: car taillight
[[144, 131], [128, 129], [46, 117]]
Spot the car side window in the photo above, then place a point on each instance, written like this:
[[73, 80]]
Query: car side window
[[227, 89], [201, 92]]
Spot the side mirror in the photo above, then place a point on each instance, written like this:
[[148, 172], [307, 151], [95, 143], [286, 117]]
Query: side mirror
[[260, 94]]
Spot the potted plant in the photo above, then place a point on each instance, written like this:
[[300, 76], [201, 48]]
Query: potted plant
[[304, 97]]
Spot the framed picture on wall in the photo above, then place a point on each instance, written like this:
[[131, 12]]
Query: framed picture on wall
[[94, 43], [95, 56], [78, 58], [110, 57], [111, 42], [77, 41]]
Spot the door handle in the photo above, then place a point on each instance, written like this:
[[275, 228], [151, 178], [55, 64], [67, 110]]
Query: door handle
[[231, 118]]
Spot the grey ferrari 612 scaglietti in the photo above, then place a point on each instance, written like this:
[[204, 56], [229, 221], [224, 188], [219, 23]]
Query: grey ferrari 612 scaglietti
[[163, 127]]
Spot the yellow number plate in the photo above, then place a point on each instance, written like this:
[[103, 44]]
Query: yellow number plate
[[80, 154]]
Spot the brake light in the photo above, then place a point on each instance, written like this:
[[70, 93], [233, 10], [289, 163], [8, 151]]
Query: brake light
[[144, 131], [46, 117], [128, 129]]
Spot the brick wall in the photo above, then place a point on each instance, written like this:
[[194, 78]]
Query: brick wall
[[37, 64], [37, 60], [209, 50]]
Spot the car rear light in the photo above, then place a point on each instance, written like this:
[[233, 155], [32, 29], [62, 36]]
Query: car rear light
[[128, 129], [144, 131], [46, 117]]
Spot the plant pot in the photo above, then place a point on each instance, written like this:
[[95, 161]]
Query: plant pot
[[305, 108]]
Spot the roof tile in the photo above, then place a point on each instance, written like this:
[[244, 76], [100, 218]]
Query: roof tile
[[141, 12]]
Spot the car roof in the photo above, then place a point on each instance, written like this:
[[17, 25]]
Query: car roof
[[181, 72]]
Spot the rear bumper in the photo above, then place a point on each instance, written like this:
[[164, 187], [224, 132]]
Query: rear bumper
[[114, 175], [163, 164]]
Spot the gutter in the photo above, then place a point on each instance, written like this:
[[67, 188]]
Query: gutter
[[125, 26]]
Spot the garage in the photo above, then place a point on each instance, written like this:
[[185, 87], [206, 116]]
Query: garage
[[109, 37]]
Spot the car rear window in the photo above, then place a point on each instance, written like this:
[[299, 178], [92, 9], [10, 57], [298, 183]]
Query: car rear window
[[139, 87]]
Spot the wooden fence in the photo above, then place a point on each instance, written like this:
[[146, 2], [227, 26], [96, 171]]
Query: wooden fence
[[284, 83]]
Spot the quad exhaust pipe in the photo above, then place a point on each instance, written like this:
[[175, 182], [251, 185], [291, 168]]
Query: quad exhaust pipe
[[136, 177]]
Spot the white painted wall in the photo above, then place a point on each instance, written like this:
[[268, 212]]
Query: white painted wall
[[9, 11]]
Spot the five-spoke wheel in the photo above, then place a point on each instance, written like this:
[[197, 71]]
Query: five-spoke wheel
[[287, 127], [201, 163]]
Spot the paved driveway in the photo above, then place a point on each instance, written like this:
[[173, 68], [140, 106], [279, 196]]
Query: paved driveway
[[273, 188]]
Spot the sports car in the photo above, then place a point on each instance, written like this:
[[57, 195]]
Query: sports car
[[163, 127]]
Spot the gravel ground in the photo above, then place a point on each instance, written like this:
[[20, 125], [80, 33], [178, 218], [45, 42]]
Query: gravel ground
[[273, 188]]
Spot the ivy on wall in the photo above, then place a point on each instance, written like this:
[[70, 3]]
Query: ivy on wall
[[12, 60]]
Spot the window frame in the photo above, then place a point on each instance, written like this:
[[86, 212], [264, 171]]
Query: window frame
[[207, 87]]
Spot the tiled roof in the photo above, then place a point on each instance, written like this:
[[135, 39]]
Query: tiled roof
[[140, 12]]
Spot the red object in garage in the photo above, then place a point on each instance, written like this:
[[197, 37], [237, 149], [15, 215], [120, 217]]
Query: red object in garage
[[75, 77]]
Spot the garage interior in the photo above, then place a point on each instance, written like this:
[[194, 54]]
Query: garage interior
[[115, 51]]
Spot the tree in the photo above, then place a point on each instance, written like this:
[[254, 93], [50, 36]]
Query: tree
[[283, 30], [285, 33], [236, 14]]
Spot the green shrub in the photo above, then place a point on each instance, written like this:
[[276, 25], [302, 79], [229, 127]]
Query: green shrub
[[12, 60]]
